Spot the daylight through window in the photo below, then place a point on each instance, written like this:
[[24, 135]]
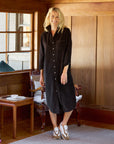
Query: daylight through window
[[15, 41]]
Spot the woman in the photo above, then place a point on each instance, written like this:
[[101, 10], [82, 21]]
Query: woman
[[55, 70]]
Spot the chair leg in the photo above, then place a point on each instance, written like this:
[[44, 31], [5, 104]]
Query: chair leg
[[77, 115], [43, 119], [42, 113]]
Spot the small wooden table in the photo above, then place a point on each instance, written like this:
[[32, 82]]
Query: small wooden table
[[14, 105]]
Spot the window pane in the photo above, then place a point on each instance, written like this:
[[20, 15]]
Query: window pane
[[2, 21], [2, 42], [19, 22], [12, 22], [2, 57], [25, 41], [26, 22], [11, 39], [19, 41], [20, 61]]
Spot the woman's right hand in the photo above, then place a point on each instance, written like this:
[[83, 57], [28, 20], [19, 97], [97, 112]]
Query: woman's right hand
[[41, 80]]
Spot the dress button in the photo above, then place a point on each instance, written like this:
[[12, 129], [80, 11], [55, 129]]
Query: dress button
[[53, 48], [55, 79], [52, 42], [54, 66], [53, 60], [53, 54], [54, 72]]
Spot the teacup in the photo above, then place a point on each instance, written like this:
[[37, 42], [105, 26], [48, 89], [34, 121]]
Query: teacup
[[14, 96]]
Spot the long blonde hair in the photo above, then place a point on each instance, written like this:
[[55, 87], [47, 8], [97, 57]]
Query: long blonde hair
[[61, 17]]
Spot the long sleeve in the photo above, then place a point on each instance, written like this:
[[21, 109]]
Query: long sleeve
[[67, 56], [41, 54]]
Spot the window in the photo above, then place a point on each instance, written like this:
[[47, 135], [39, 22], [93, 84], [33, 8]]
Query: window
[[16, 40]]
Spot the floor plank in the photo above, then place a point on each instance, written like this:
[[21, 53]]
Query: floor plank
[[23, 128]]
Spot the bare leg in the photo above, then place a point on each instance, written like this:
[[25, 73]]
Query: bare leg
[[53, 117], [66, 117], [63, 125]]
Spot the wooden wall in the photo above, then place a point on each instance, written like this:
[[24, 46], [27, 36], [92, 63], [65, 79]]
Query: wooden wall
[[92, 27], [23, 5], [73, 1], [83, 55], [105, 61], [15, 83]]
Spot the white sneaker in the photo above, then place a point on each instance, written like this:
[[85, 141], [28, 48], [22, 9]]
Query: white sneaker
[[56, 133], [78, 98], [64, 131]]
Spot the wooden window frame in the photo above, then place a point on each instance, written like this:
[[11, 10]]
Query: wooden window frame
[[32, 40]]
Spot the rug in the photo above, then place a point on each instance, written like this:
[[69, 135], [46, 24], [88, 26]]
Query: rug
[[78, 135]]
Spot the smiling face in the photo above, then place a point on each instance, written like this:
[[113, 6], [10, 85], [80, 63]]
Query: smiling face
[[54, 19]]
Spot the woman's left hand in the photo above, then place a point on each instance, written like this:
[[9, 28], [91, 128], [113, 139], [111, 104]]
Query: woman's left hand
[[64, 78]]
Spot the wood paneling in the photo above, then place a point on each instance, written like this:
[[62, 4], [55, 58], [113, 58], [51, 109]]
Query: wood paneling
[[105, 61], [83, 55], [15, 83], [3, 90], [86, 9], [97, 114], [92, 26], [33, 5], [68, 21], [22, 5], [73, 1], [93, 41]]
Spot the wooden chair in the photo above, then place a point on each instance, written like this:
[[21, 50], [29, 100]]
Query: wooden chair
[[78, 98], [39, 95]]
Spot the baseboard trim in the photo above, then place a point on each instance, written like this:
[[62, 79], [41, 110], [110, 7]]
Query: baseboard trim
[[98, 114]]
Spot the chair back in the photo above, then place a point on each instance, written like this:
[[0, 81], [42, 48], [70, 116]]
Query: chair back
[[34, 76]]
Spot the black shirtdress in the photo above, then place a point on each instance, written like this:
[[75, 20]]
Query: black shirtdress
[[55, 53]]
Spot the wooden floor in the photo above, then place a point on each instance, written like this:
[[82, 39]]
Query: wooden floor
[[23, 129]]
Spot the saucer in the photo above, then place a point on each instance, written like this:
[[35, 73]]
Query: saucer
[[14, 95], [16, 98]]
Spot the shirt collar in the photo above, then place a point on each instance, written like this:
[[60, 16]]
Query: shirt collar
[[49, 28]]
